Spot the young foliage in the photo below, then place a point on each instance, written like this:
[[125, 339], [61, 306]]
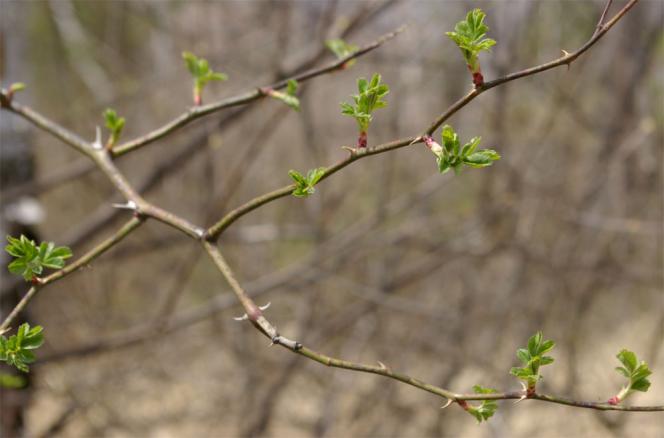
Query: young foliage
[[30, 259], [16, 350], [16, 86], [486, 409], [12, 381], [342, 49], [304, 185], [202, 74], [8, 94], [453, 156], [469, 37], [532, 359], [289, 97], [636, 372], [370, 98], [115, 124]]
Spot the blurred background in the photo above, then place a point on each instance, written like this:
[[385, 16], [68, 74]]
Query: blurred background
[[441, 277]]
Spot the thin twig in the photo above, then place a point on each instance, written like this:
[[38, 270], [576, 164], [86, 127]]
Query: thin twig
[[244, 98], [215, 230], [92, 254]]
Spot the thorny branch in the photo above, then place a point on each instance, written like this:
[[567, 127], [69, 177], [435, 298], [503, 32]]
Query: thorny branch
[[142, 209]]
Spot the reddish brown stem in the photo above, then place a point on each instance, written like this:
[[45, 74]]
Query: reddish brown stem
[[362, 140]]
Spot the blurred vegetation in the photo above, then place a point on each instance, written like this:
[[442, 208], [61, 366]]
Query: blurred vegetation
[[440, 276]]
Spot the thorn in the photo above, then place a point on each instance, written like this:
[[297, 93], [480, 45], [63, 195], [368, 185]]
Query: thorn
[[449, 402], [351, 150], [129, 205], [97, 143], [265, 307], [415, 140], [522, 398], [241, 318], [382, 365], [565, 53]]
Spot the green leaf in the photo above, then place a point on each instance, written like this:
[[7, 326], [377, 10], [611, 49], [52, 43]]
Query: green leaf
[[483, 158], [470, 147], [17, 86], [30, 259], [469, 36], [450, 139], [443, 164], [288, 97], [532, 358], [341, 49], [191, 62], [486, 409], [623, 371], [370, 98], [304, 186], [628, 359], [201, 72], [523, 355], [16, 350], [534, 343]]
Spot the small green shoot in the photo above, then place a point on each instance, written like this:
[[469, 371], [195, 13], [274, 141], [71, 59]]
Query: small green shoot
[[12, 381], [115, 124], [342, 49], [486, 409], [304, 185], [17, 86], [454, 156], [16, 350], [8, 94], [532, 359], [289, 97], [30, 259], [636, 372], [202, 74], [370, 98], [469, 37]]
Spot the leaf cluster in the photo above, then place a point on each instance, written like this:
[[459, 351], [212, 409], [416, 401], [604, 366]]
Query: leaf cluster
[[304, 185], [532, 359], [469, 36], [636, 372], [30, 259], [342, 49], [370, 98], [16, 350], [486, 409], [453, 156], [114, 123], [201, 71], [289, 97]]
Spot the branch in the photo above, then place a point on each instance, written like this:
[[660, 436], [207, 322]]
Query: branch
[[247, 97], [45, 124], [95, 252], [215, 230], [255, 315]]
